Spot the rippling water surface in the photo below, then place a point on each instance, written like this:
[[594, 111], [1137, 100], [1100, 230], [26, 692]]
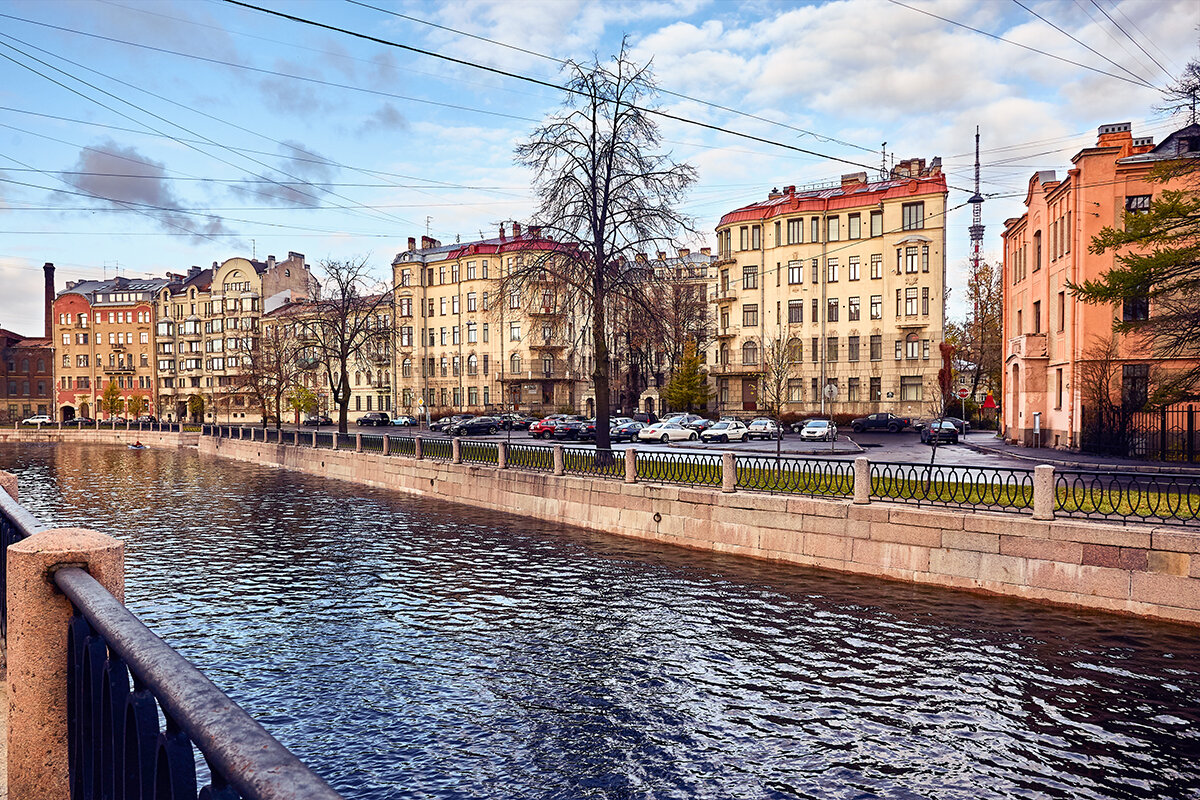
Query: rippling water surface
[[408, 648]]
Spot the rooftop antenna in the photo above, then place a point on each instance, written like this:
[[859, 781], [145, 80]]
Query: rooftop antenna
[[427, 221], [976, 228], [253, 249], [883, 173]]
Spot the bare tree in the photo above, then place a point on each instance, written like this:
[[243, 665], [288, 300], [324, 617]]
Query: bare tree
[[979, 350], [606, 195], [347, 319], [777, 372], [270, 369]]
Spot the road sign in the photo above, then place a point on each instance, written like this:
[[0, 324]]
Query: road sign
[[830, 391], [964, 392]]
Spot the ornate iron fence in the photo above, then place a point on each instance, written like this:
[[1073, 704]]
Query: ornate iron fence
[[438, 449], [347, 441], [795, 475], [325, 438], [537, 458], [1128, 496], [373, 443], [480, 452], [990, 488], [402, 446], [696, 470], [590, 461]]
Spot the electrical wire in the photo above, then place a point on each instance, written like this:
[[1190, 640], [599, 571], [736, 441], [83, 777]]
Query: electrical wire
[[1130, 38]]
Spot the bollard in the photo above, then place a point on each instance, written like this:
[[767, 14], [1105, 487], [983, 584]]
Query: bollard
[[314, 438], [1043, 492], [631, 465], [336, 436], [386, 444], [502, 455], [37, 652], [456, 450], [728, 473], [358, 442], [418, 450], [862, 481], [560, 466]]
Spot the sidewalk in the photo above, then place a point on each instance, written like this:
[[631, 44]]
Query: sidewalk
[[1069, 458]]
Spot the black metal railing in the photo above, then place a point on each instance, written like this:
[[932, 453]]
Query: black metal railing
[[347, 441], [1128, 496], [437, 449], [121, 678], [372, 443], [989, 488], [809, 476], [15, 524], [402, 446], [479, 453], [595, 462], [325, 438], [696, 470], [537, 458]]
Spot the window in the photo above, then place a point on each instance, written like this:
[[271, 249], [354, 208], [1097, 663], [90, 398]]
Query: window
[[854, 226], [910, 259], [831, 310], [750, 277], [876, 223], [913, 216], [778, 239], [483, 305], [831, 270], [456, 336], [816, 310], [795, 311], [442, 305], [876, 306], [749, 316], [456, 366], [876, 390], [514, 298], [831, 348], [912, 346], [899, 302], [925, 349], [1135, 385], [924, 258], [852, 268], [1037, 251], [1137, 204], [925, 301], [816, 391], [854, 312], [795, 390], [743, 238], [755, 237], [470, 270], [472, 333], [406, 368], [514, 331], [1062, 310], [795, 351], [899, 349], [852, 348], [910, 388], [1037, 316], [471, 301], [455, 308], [816, 270], [816, 349], [795, 272], [749, 354], [1058, 387], [483, 273], [485, 333], [1134, 309], [832, 229], [815, 230], [795, 231], [876, 266], [442, 336]]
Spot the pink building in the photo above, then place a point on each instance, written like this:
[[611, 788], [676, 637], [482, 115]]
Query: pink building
[[1052, 342]]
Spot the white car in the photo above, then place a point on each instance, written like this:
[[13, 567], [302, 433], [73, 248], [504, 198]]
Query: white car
[[818, 430], [37, 419], [666, 432], [727, 430], [764, 429]]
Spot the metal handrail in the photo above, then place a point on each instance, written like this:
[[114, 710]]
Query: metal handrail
[[239, 751], [16, 523]]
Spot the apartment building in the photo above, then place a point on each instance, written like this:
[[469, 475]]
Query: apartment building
[[27, 366], [852, 277], [463, 347], [1054, 344], [103, 334]]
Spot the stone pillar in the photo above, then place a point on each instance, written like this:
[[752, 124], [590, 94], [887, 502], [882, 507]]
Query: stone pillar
[[1043, 492], [8, 483], [358, 442], [37, 652], [140, 425], [728, 473], [502, 455], [418, 450], [560, 466], [386, 444], [314, 437], [456, 450], [241, 432], [336, 434], [631, 465], [296, 437], [862, 481], [126, 423]]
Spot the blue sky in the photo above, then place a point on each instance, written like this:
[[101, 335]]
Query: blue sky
[[153, 136]]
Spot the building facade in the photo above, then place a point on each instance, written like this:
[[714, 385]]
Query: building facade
[[1056, 348], [27, 365], [852, 278]]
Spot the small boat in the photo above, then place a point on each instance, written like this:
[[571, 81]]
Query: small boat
[[137, 446]]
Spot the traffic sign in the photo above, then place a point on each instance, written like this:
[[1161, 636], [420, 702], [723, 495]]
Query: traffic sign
[[964, 392]]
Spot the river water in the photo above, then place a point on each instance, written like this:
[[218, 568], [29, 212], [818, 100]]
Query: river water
[[410, 648]]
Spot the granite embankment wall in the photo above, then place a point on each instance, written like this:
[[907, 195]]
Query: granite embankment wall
[[1142, 570], [104, 435]]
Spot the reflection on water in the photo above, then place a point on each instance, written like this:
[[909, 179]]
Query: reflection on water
[[410, 648]]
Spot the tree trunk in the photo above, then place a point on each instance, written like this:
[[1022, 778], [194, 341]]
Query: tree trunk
[[600, 368], [343, 399]]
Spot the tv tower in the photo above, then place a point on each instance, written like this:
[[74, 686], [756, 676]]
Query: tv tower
[[976, 228]]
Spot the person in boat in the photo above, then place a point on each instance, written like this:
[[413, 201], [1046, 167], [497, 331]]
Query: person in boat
[[137, 445]]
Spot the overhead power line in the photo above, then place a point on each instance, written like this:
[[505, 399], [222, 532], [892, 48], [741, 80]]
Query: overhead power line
[[1130, 38]]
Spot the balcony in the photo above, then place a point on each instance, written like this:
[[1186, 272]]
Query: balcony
[[546, 345], [727, 370], [728, 333], [727, 296], [1028, 345], [120, 369], [544, 311], [913, 321]]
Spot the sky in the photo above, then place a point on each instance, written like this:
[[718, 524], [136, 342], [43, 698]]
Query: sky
[[138, 138]]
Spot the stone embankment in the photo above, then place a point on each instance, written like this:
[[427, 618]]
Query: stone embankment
[[1150, 571], [102, 435]]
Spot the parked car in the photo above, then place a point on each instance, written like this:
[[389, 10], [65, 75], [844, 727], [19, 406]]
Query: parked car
[[818, 430], [79, 421], [516, 422], [726, 430], [666, 432], [442, 425], [568, 427], [885, 421], [474, 425], [37, 419], [375, 418], [404, 421], [763, 428], [941, 431], [626, 431], [318, 419], [544, 428], [148, 419], [644, 417], [683, 419], [700, 425]]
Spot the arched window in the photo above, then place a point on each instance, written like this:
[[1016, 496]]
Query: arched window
[[514, 363], [749, 353], [472, 364], [358, 379], [795, 351], [912, 346], [723, 356], [406, 368]]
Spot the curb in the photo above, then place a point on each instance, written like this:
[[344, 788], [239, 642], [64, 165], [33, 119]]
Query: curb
[[1134, 466]]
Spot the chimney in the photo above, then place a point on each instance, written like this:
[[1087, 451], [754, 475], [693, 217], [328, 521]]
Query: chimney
[[661, 255], [789, 190], [1115, 134], [193, 273], [71, 284], [1143, 144], [706, 251], [535, 231], [774, 194], [502, 236], [516, 230], [412, 243], [684, 252], [428, 242], [854, 179], [48, 269], [270, 262]]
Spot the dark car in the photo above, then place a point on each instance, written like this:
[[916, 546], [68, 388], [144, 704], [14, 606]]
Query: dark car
[[474, 425], [375, 418], [626, 432], [444, 424], [79, 421], [885, 421], [644, 417], [569, 427], [147, 418], [516, 422], [318, 419], [700, 425], [939, 431], [961, 425]]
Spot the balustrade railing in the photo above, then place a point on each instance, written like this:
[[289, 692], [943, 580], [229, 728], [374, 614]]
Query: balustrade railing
[[439, 449], [402, 446], [689, 468], [595, 462], [1128, 496], [822, 478], [537, 458], [347, 441], [480, 452], [325, 438], [986, 488], [372, 443]]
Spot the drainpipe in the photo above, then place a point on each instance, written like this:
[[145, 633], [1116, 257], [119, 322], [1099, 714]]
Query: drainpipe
[[822, 311]]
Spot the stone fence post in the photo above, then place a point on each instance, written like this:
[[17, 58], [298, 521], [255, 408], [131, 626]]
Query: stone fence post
[[560, 465], [456, 450], [8, 483], [336, 435], [862, 481], [728, 473], [386, 444], [358, 442], [296, 437], [631, 465], [1043, 492], [314, 437], [37, 652], [502, 455], [418, 450]]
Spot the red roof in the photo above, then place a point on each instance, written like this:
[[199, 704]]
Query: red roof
[[837, 197]]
